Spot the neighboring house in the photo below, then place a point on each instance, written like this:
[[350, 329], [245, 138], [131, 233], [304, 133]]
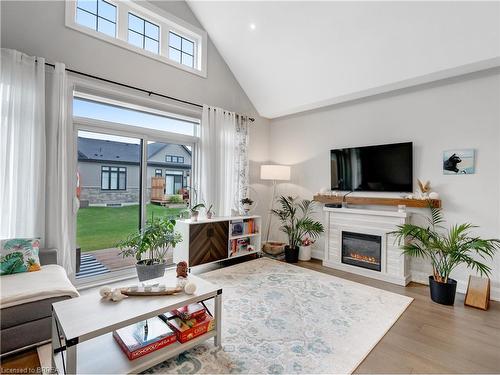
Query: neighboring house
[[109, 170]]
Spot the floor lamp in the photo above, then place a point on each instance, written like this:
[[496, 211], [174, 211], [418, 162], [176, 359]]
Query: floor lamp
[[274, 173]]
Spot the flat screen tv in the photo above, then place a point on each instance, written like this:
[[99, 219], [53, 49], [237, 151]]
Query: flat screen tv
[[373, 168]]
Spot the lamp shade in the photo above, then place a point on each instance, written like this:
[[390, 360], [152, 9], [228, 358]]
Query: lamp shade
[[275, 172]]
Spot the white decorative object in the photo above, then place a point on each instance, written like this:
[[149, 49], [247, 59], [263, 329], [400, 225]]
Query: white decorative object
[[190, 288], [105, 291], [305, 252], [109, 294], [162, 287], [117, 296], [433, 195], [409, 196], [182, 281]]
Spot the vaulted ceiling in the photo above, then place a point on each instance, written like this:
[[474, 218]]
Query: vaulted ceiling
[[295, 56]]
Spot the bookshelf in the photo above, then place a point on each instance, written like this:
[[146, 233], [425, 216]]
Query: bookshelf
[[213, 240]]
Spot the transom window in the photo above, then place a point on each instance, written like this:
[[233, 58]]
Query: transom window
[[98, 15], [113, 178], [181, 49], [143, 28], [158, 172], [143, 34], [174, 159]]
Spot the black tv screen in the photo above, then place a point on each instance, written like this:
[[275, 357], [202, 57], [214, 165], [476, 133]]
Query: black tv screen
[[373, 168]]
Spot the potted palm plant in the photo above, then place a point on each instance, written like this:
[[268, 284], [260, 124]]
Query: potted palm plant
[[150, 247], [446, 249], [296, 223]]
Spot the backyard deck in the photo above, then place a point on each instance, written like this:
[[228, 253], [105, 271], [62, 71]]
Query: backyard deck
[[97, 262]]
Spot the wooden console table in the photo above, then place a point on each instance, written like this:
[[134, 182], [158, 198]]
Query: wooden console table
[[378, 201]]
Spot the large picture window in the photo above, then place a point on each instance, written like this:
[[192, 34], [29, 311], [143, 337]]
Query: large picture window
[[113, 178], [124, 179]]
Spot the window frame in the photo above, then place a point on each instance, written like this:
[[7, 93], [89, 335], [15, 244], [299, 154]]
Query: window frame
[[98, 16], [151, 13], [143, 34], [158, 174], [181, 50], [118, 172]]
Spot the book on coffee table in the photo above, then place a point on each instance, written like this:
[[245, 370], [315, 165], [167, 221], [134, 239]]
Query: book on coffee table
[[140, 338], [193, 311]]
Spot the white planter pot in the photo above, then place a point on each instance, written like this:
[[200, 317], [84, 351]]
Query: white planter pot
[[305, 253]]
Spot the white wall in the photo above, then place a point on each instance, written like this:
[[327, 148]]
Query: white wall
[[458, 113], [37, 28]]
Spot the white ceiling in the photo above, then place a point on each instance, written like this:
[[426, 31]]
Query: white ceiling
[[304, 55]]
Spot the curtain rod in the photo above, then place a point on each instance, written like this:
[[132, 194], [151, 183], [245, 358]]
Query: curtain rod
[[251, 119]]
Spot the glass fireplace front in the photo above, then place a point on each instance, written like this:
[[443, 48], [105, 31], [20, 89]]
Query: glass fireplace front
[[362, 250]]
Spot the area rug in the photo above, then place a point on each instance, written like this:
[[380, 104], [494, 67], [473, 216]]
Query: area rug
[[281, 318]]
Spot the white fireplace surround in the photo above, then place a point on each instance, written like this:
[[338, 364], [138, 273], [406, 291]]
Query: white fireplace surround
[[395, 267]]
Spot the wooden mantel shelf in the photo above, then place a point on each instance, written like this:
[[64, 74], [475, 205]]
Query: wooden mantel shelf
[[378, 201]]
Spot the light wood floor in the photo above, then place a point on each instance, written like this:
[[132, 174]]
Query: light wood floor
[[431, 338], [427, 338]]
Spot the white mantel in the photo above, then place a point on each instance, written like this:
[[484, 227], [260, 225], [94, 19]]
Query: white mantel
[[394, 265]]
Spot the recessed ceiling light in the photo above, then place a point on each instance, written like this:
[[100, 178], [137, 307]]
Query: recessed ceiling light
[[252, 26]]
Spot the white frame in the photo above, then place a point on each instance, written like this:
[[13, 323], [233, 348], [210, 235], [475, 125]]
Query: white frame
[[166, 21], [80, 88]]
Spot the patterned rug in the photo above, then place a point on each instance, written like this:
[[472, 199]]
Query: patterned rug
[[280, 318]]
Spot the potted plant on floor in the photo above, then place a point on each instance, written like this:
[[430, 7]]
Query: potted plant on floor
[[296, 223], [305, 248], [150, 247], [446, 249]]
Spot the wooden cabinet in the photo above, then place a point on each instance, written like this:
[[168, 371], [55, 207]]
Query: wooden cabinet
[[212, 240], [208, 242]]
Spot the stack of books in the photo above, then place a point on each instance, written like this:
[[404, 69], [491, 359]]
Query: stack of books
[[189, 322], [144, 337]]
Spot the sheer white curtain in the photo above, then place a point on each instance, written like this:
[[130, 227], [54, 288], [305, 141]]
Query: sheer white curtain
[[60, 192], [22, 145], [216, 152], [241, 164], [221, 167], [36, 192]]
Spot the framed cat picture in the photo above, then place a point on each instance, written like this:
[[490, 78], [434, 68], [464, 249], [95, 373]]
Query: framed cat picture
[[459, 162]]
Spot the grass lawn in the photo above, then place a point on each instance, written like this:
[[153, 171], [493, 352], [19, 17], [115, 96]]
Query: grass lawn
[[102, 227]]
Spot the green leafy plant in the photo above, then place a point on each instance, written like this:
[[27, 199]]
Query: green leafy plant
[[175, 199], [196, 208], [446, 248], [210, 209], [295, 219], [150, 246]]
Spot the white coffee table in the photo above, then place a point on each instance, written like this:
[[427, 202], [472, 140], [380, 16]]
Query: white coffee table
[[86, 323]]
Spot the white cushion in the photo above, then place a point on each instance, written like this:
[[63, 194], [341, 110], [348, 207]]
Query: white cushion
[[51, 281]]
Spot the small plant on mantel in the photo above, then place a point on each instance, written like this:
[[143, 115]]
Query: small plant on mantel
[[446, 249]]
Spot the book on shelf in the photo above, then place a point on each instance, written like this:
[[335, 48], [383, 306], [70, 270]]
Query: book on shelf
[[240, 245], [140, 338], [237, 227]]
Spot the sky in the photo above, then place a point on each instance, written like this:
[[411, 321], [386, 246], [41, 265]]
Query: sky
[[106, 112]]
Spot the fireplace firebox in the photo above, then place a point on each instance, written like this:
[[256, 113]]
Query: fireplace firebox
[[362, 250]]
